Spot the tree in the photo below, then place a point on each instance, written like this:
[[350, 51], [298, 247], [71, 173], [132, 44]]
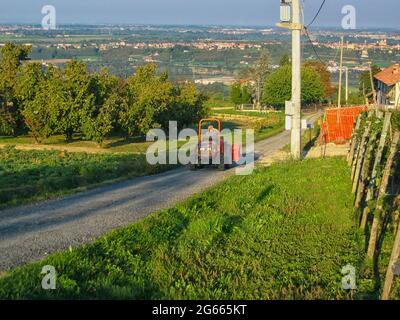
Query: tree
[[257, 74], [80, 99], [188, 107], [325, 76], [278, 87], [109, 95], [260, 72], [240, 94], [365, 80], [11, 58], [236, 93], [148, 96], [285, 60], [31, 91]]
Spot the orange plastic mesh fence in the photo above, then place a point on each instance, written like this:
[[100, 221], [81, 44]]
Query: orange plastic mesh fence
[[338, 124]]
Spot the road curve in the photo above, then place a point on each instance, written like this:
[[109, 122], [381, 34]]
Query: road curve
[[31, 232]]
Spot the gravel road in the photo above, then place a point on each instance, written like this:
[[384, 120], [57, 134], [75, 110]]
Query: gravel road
[[31, 232]]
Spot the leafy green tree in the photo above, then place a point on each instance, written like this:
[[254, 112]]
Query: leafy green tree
[[325, 76], [241, 94], [188, 107], [285, 60], [246, 94], [11, 58], [109, 95], [31, 91], [313, 88], [149, 95], [278, 86], [236, 93], [79, 99]]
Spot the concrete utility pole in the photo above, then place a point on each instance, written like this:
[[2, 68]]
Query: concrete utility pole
[[296, 80], [340, 74], [296, 26], [372, 83], [347, 85]]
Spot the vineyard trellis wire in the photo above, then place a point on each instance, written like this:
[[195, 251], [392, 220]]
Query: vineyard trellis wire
[[375, 170]]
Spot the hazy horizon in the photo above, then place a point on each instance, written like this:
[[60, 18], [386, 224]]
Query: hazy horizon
[[256, 13]]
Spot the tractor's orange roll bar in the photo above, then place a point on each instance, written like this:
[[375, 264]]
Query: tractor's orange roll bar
[[209, 120]]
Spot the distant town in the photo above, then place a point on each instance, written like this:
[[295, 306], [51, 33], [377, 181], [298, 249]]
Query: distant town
[[205, 55]]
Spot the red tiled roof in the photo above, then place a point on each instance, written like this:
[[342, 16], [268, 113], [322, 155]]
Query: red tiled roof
[[389, 76]]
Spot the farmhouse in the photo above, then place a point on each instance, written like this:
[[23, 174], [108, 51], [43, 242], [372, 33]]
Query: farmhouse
[[387, 83]]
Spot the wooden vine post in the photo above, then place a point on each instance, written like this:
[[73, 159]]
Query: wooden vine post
[[365, 167], [394, 259], [377, 162], [364, 172], [382, 193], [356, 156], [360, 156], [354, 142]]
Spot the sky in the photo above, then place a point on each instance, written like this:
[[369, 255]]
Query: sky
[[370, 13]]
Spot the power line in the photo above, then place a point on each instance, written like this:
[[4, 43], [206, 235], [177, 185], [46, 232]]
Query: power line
[[312, 45], [317, 14]]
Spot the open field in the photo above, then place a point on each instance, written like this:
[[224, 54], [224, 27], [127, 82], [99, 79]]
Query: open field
[[284, 232]]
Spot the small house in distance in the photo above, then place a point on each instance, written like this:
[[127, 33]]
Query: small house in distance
[[387, 83]]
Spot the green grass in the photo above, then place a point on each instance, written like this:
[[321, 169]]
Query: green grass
[[32, 175], [284, 232], [264, 127], [112, 144], [215, 104]]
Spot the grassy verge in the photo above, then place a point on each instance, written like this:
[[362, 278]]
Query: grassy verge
[[284, 232], [33, 175], [112, 144]]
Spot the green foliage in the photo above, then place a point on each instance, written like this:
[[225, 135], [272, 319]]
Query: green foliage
[[33, 95], [188, 107], [48, 100], [11, 58], [285, 60], [110, 96], [396, 120], [256, 75], [272, 235], [322, 70], [240, 94], [152, 101], [278, 86]]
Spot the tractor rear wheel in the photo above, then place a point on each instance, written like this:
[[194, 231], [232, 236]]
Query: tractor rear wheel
[[222, 166]]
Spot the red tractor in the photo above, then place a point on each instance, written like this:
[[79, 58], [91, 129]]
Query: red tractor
[[212, 146]]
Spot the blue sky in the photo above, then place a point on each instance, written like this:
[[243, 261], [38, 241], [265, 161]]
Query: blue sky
[[370, 13]]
